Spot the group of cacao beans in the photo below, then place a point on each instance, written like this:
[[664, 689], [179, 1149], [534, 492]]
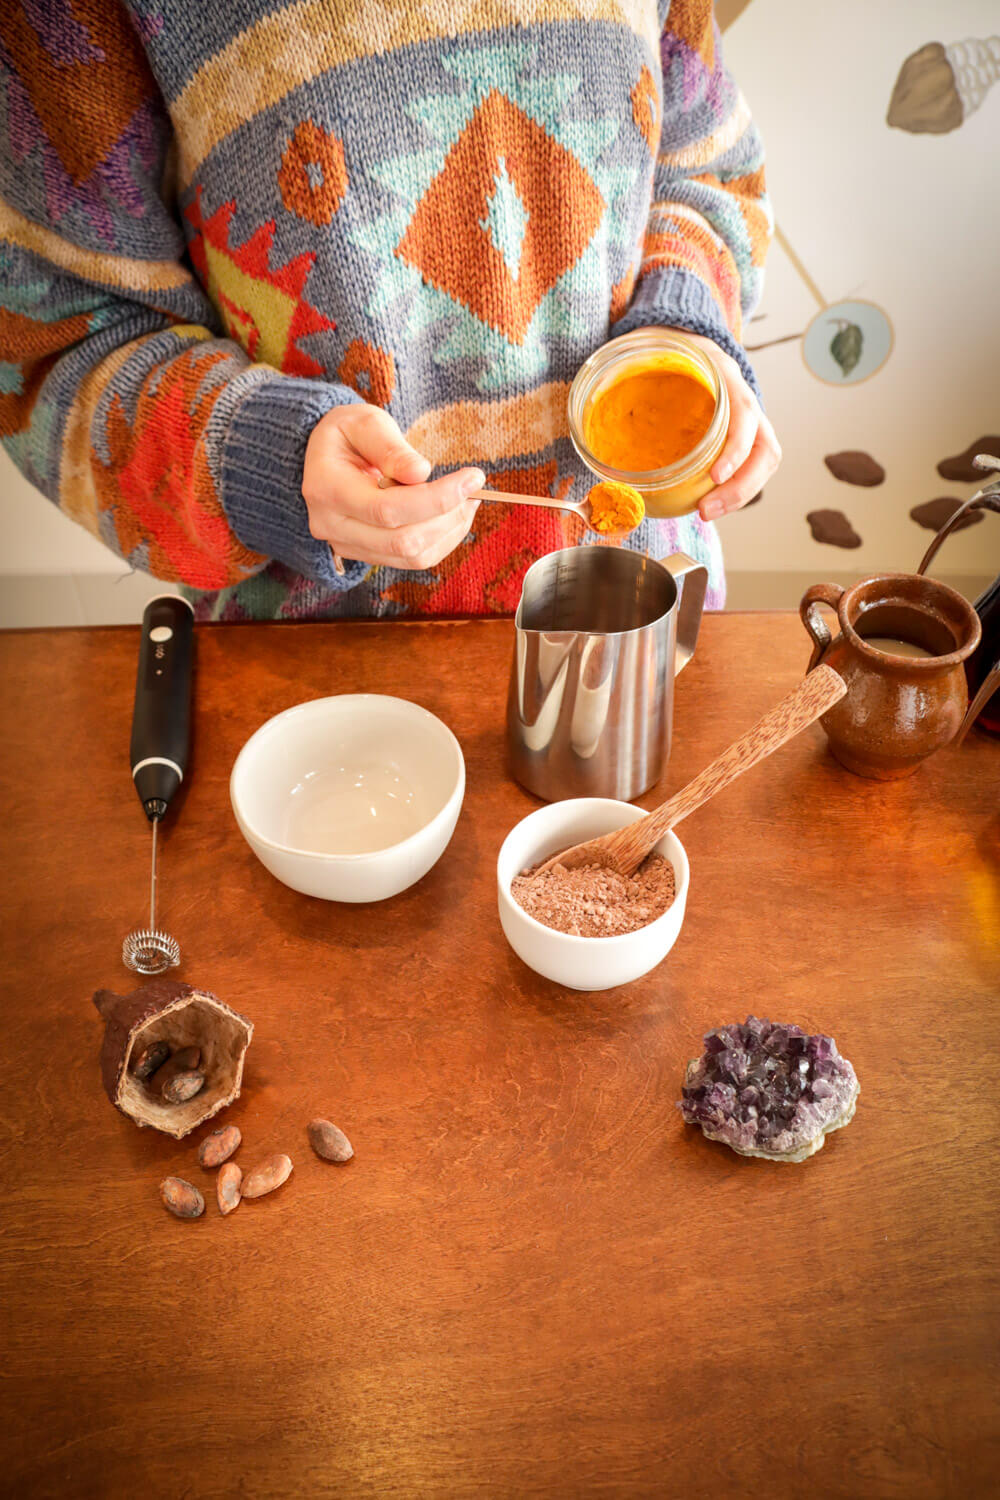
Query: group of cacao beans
[[174, 1077], [231, 1185]]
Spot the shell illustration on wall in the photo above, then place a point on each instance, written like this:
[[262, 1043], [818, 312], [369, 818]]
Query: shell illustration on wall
[[939, 87]]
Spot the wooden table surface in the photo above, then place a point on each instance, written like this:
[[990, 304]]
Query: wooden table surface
[[533, 1279]]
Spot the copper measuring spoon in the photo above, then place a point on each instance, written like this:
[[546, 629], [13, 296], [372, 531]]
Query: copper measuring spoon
[[624, 850], [581, 508]]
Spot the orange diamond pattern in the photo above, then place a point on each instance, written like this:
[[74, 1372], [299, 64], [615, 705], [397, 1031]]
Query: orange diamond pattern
[[445, 240]]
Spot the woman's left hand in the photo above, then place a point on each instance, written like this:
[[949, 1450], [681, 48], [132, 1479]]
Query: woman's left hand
[[752, 452]]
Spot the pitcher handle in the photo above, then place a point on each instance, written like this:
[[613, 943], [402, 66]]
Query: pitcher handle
[[829, 594], [692, 580]]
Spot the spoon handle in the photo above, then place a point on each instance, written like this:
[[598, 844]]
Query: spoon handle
[[816, 693], [502, 497]]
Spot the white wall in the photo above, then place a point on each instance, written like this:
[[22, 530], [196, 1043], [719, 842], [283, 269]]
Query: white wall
[[52, 572], [904, 220]]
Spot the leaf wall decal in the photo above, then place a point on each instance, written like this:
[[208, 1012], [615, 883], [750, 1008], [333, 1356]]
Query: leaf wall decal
[[846, 346]]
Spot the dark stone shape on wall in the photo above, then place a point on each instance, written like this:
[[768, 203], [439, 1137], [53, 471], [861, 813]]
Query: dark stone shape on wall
[[934, 513], [959, 466], [832, 528], [854, 467]]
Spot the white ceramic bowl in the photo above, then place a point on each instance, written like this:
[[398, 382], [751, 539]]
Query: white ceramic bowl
[[584, 963], [319, 788]]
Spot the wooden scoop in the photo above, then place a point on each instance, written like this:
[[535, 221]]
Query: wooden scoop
[[626, 848]]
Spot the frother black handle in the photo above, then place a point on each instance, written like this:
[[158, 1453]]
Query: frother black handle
[[161, 719]]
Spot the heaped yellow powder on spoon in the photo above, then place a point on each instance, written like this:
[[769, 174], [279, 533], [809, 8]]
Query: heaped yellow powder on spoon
[[615, 507]]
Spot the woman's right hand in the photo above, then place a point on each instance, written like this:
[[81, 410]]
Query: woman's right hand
[[413, 523]]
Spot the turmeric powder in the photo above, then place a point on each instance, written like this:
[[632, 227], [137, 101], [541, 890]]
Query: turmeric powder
[[654, 414], [615, 507]]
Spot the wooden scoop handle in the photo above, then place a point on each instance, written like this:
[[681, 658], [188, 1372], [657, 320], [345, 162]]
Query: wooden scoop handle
[[816, 693]]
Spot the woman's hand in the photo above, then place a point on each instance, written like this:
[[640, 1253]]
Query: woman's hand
[[413, 524], [752, 452]]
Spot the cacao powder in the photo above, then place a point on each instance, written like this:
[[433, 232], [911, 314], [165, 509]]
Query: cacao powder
[[219, 1146], [149, 1059], [182, 1199], [329, 1142], [268, 1176], [228, 1187]]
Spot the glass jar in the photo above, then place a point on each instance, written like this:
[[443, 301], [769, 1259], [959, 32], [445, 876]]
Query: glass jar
[[675, 489]]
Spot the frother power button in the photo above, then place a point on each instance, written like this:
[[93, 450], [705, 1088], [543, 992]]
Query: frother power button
[[160, 633]]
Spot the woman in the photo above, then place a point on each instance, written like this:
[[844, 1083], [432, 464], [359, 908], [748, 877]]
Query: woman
[[257, 255]]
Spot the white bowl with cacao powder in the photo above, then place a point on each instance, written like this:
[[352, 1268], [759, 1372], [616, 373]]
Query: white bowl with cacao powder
[[587, 901]]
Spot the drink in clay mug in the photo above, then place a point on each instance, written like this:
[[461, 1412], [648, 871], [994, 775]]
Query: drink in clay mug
[[902, 641]]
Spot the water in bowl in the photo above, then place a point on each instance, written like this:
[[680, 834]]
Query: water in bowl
[[354, 809]]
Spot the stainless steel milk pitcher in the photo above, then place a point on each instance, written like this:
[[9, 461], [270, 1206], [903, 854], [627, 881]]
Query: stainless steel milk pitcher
[[600, 634]]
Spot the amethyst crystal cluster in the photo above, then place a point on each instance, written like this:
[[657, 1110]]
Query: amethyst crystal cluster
[[769, 1090]]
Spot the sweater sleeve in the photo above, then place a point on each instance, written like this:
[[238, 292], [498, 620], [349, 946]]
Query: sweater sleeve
[[710, 221], [121, 396]]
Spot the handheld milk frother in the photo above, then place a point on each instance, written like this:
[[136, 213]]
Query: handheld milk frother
[[161, 732]]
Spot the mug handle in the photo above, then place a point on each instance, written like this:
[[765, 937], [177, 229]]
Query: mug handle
[[692, 580], [829, 594]]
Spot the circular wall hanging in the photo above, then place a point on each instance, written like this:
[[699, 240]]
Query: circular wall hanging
[[847, 342]]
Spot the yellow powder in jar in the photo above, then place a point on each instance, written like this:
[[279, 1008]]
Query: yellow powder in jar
[[615, 507], [654, 414]]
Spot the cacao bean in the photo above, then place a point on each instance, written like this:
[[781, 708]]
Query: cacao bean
[[227, 1187], [219, 1146], [268, 1176], [182, 1087], [146, 1062], [329, 1142], [182, 1198], [186, 1060]]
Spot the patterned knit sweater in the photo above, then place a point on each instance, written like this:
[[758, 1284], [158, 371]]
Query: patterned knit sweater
[[220, 218]]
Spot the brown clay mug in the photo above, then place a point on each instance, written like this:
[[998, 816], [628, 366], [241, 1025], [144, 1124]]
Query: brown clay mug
[[898, 709]]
